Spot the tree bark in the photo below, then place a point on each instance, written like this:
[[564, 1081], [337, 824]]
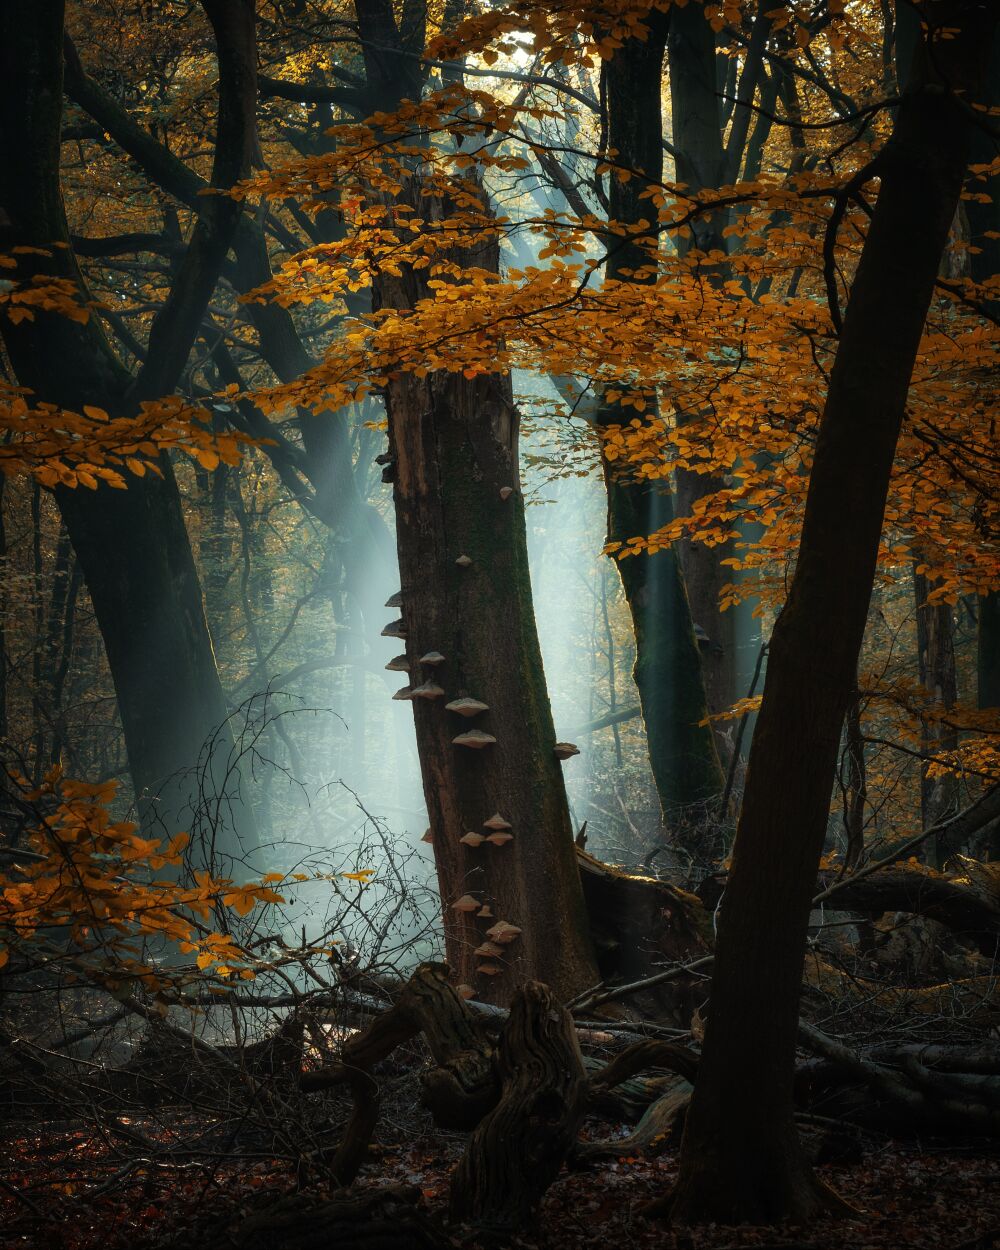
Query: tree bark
[[936, 666], [741, 1159], [453, 448], [516, 1152], [668, 669], [700, 161]]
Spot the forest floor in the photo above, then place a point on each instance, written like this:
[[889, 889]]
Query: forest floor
[[934, 1197]]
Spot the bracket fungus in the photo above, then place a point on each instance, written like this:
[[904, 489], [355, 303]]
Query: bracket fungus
[[395, 601], [395, 629], [566, 750], [405, 692], [463, 561], [466, 903], [398, 664], [488, 950], [428, 836], [467, 707], [472, 839], [429, 690], [503, 933], [432, 657], [496, 821], [475, 739], [489, 970], [486, 911], [500, 839], [506, 492], [465, 991]]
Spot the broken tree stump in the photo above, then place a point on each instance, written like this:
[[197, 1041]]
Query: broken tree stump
[[458, 1090], [516, 1152]]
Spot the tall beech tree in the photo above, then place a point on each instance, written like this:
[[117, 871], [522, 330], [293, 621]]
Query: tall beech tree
[[132, 544], [668, 669], [741, 1160]]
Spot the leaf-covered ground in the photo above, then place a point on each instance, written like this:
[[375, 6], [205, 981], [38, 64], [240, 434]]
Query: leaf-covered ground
[[915, 1195]]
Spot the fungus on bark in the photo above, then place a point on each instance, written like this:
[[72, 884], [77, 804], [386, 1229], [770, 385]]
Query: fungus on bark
[[475, 739], [466, 904], [429, 690], [467, 707]]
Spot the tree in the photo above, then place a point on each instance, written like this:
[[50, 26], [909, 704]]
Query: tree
[[466, 596], [668, 668], [132, 544], [740, 1158]]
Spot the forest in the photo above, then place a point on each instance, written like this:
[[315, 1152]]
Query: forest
[[499, 624]]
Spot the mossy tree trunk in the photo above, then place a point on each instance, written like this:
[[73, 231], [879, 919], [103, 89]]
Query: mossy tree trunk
[[741, 1159]]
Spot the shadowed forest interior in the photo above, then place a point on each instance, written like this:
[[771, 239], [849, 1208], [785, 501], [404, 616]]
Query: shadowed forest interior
[[499, 624]]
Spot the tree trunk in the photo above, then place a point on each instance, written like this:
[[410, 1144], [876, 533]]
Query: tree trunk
[[668, 672], [132, 544], [741, 1159], [936, 661], [700, 161], [984, 264], [466, 594], [454, 444]]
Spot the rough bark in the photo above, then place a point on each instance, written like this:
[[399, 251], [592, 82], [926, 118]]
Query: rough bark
[[517, 1151], [668, 671], [741, 1159], [453, 449]]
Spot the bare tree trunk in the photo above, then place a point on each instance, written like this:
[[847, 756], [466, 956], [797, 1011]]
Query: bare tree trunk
[[936, 661], [741, 1159], [668, 669]]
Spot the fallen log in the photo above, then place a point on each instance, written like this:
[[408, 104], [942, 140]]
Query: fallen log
[[926, 1100], [655, 1130], [967, 912]]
